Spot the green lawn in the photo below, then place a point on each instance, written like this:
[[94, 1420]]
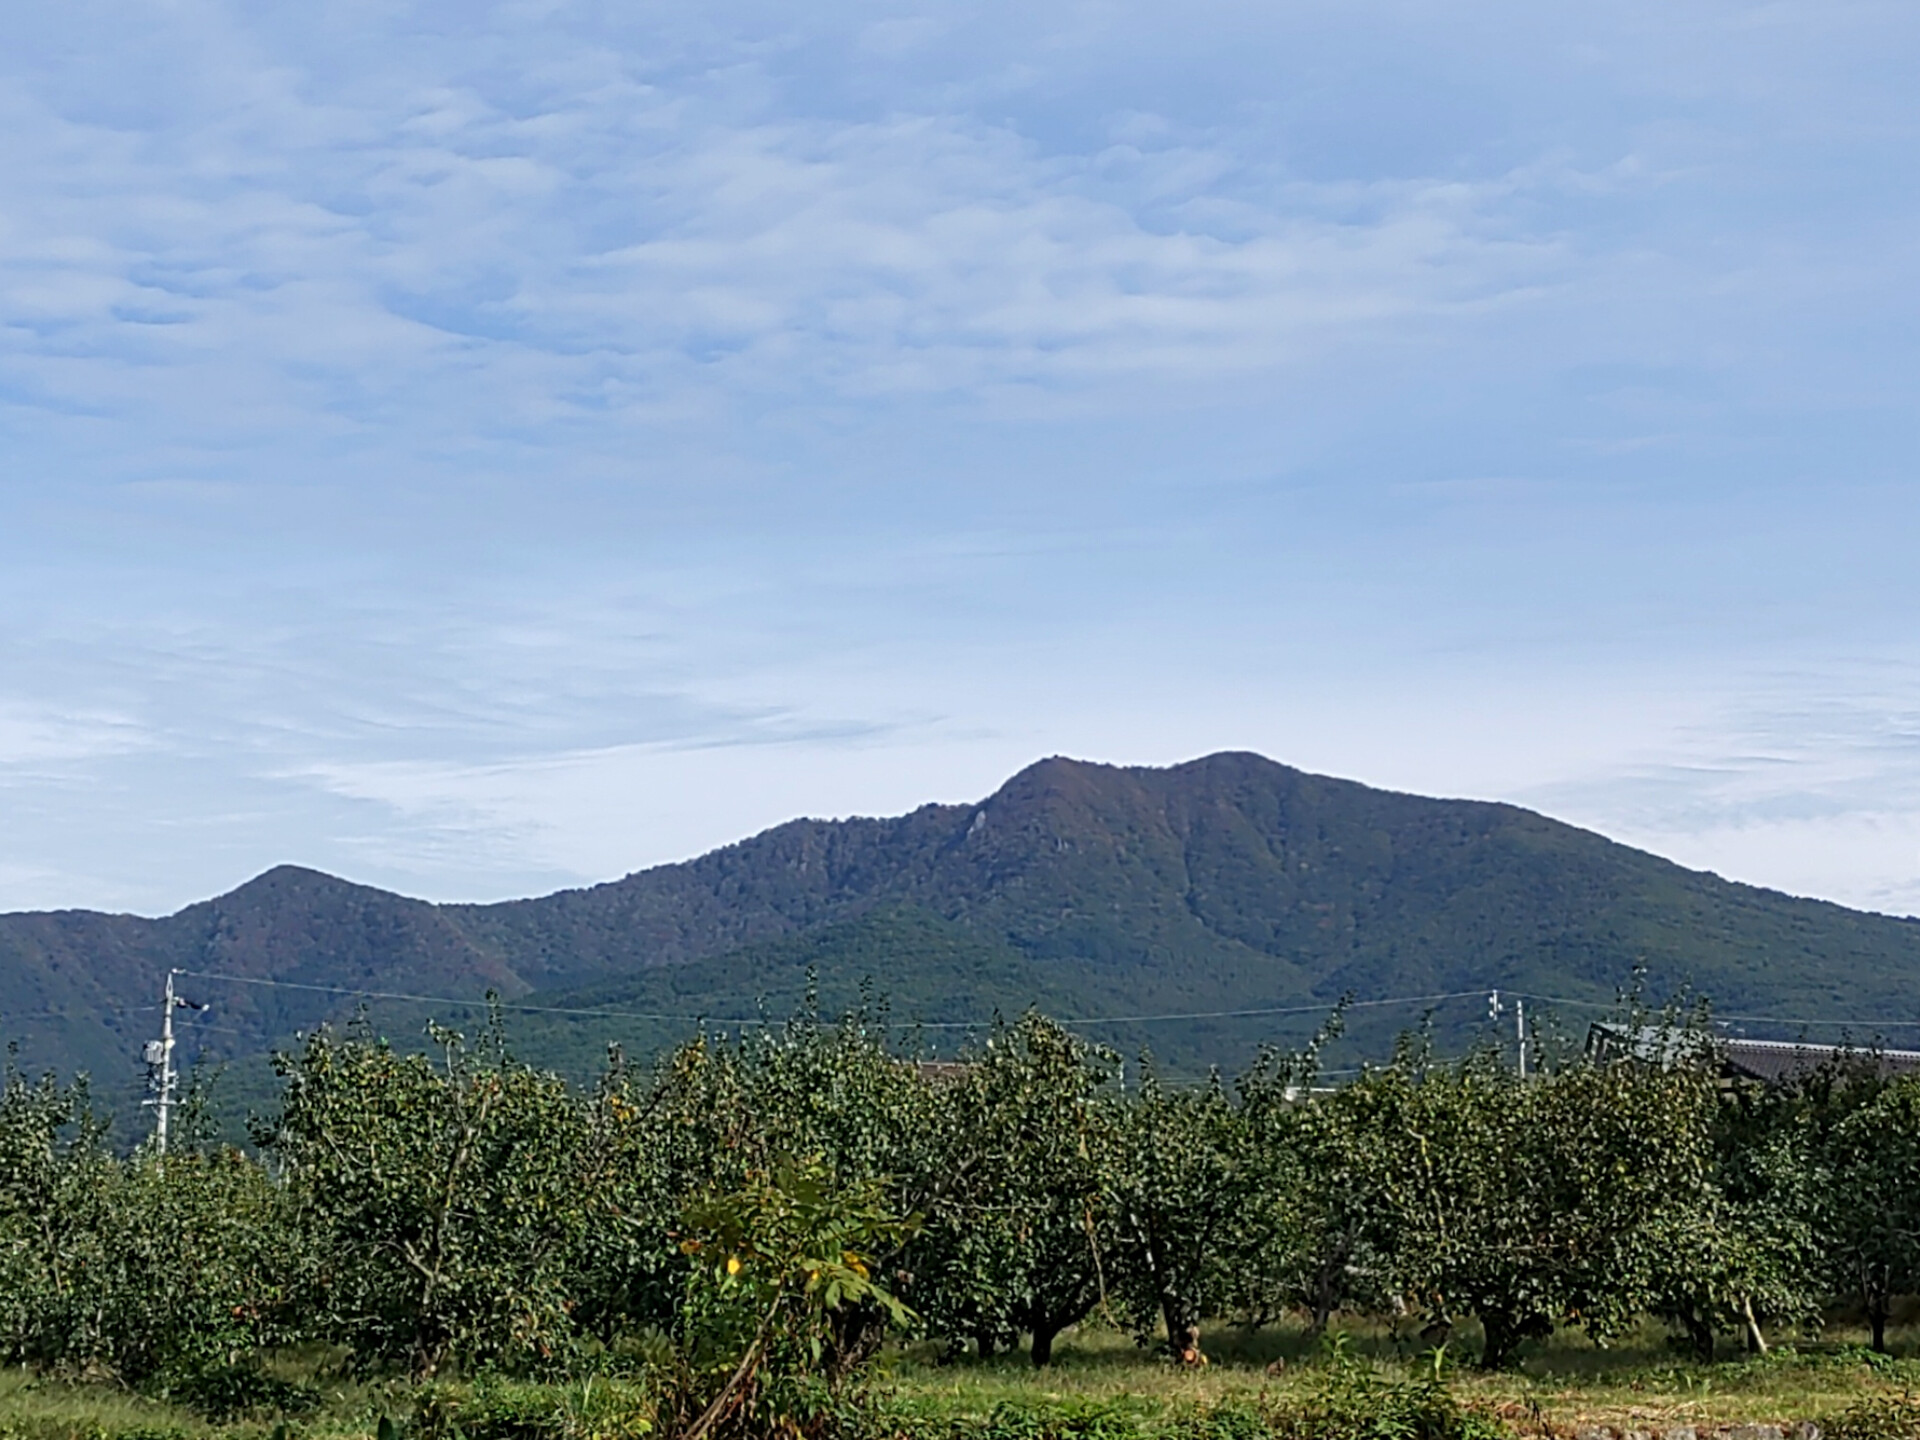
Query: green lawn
[[1636, 1384], [1562, 1387]]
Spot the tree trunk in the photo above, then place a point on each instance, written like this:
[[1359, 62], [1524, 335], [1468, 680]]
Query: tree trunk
[[1322, 1303], [1756, 1342], [429, 1348], [1877, 1293], [1500, 1342], [1183, 1331], [1042, 1350], [736, 1383], [856, 1333], [1326, 1287], [1700, 1332]]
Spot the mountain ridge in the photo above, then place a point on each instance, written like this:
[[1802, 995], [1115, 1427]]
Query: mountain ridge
[[1230, 877]]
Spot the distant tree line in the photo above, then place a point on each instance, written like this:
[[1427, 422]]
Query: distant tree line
[[764, 1211]]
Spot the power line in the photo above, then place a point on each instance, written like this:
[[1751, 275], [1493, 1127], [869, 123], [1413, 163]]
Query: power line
[[68, 1012], [1847, 1024], [1321, 1008], [348, 993], [1743, 1019], [196, 1027], [1083, 1021], [604, 1014]]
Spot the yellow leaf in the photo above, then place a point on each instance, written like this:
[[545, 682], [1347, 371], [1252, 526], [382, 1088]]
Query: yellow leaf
[[733, 1264]]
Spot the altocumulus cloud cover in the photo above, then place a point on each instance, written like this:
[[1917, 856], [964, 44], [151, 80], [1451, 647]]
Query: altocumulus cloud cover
[[476, 448]]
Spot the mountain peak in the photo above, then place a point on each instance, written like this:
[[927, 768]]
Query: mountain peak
[[1227, 882], [286, 879]]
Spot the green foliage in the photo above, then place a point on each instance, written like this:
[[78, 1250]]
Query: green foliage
[[1746, 1250], [1529, 1203], [783, 1293], [1020, 1221], [718, 1246], [1179, 1184], [145, 1268], [1229, 1421], [636, 1151], [792, 1245], [1876, 1417], [227, 1392], [68, 1431], [1354, 1400], [1069, 1420], [53, 1171], [493, 1408], [1346, 1399], [1868, 1153], [442, 1200], [1311, 1235]]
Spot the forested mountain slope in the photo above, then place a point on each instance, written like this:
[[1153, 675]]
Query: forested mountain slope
[[1227, 882]]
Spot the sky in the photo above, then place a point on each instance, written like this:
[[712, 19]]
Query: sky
[[481, 448]]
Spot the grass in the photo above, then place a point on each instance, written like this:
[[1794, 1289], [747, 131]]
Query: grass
[[1638, 1383], [36, 1407], [1562, 1387]]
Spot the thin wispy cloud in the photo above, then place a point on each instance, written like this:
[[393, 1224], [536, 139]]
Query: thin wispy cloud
[[1810, 780], [442, 263], [484, 447]]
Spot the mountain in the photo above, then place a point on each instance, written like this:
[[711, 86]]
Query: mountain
[[1228, 883]]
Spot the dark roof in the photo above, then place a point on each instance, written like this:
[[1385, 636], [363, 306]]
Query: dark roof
[[1776, 1060], [942, 1072], [1768, 1061]]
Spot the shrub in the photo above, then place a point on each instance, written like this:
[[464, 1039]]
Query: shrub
[[1877, 1417], [783, 1308], [228, 1392], [499, 1409], [1070, 1420], [1353, 1400], [1219, 1422]]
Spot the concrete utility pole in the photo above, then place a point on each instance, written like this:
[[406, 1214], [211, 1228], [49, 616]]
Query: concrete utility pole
[[1495, 1010], [161, 1076]]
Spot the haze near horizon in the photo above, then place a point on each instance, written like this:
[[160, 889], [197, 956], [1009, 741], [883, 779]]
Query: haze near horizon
[[481, 450]]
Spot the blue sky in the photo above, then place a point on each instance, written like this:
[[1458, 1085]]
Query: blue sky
[[481, 448]]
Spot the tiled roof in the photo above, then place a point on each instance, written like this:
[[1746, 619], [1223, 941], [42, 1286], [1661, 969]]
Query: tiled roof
[[1768, 1061], [1777, 1060]]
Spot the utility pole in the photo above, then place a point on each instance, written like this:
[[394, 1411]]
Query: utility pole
[[1495, 1010], [161, 1076]]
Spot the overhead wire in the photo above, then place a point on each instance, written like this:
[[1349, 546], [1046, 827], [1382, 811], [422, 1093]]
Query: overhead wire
[[1716, 1018], [581, 1012], [1080, 1021]]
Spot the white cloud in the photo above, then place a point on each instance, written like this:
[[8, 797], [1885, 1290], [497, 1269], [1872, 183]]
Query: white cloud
[[496, 445], [36, 737], [296, 264], [1807, 782]]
